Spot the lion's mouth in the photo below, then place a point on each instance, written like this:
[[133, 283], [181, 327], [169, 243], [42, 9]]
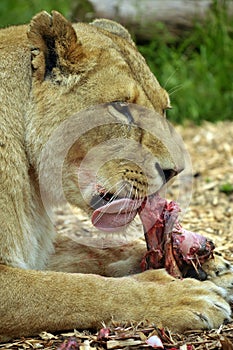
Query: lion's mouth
[[112, 214]]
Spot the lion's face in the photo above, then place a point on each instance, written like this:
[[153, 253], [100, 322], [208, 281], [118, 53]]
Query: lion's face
[[77, 67]]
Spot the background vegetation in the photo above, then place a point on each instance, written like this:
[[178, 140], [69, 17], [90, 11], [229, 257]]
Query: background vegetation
[[196, 68]]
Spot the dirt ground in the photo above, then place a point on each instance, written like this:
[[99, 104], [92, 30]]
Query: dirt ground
[[210, 212]]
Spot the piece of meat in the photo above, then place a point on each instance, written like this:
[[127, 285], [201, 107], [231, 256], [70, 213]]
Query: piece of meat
[[169, 245]]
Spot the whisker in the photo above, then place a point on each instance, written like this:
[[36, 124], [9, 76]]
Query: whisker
[[107, 191], [175, 89], [105, 183], [169, 78], [130, 192], [134, 204], [108, 204]]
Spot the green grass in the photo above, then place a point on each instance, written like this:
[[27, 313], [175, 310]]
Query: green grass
[[227, 188], [197, 70]]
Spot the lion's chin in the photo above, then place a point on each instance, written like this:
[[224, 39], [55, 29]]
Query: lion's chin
[[116, 214]]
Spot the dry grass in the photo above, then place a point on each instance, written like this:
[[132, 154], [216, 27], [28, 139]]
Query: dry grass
[[128, 337]]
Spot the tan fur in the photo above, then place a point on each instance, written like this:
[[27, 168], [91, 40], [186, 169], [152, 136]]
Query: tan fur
[[49, 71]]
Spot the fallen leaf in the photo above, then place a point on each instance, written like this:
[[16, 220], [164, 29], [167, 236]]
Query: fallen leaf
[[113, 344], [47, 336]]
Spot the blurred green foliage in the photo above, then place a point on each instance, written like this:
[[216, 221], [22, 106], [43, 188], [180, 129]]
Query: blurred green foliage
[[21, 11], [196, 68]]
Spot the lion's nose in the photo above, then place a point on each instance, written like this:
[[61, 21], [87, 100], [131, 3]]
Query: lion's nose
[[169, 173], [166, 174]]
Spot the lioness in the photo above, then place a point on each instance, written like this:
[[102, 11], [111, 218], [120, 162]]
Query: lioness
[[49, 71]]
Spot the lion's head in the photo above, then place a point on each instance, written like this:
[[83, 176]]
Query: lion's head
[[76, 67]]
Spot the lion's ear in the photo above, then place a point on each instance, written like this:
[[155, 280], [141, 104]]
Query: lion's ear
[[113, 27], [53, 44]]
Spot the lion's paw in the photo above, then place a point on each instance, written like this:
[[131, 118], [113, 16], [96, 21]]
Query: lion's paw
[[202, 305], [220, 272], [186, 304]]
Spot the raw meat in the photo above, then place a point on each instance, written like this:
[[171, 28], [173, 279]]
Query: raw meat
[[169, 245]]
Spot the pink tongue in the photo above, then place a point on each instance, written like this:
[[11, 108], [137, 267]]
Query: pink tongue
[[115, 215]]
